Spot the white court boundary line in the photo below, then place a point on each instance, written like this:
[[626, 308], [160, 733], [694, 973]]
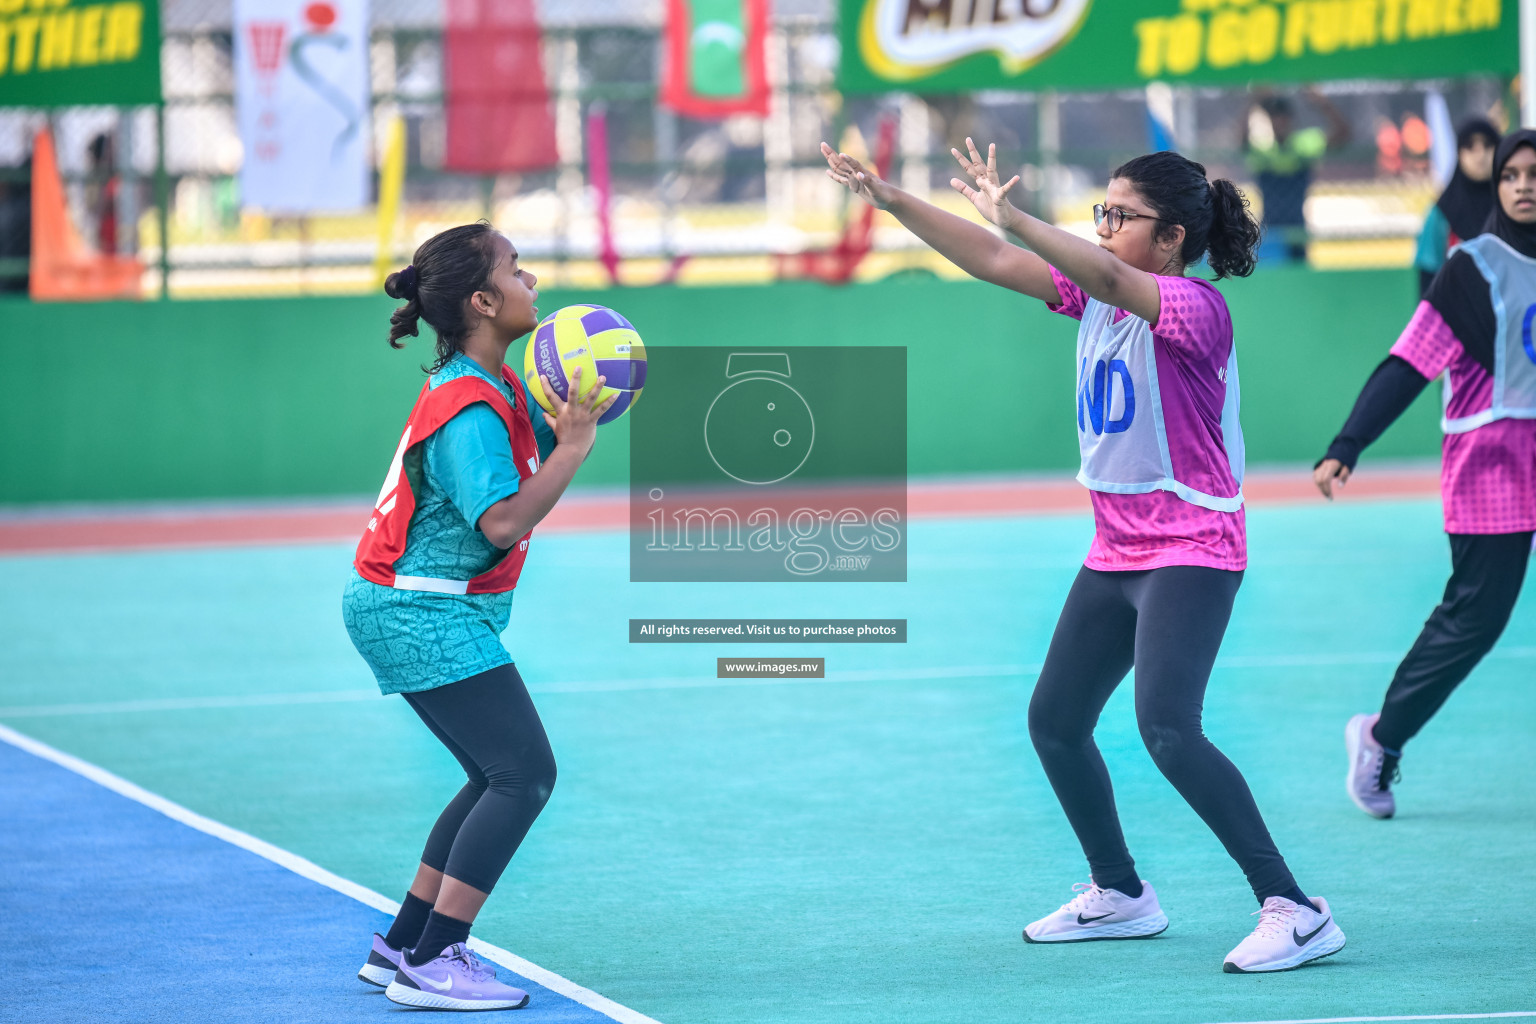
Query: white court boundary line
[[532, 971], [1427, 1016], [312, 871], [699, 682]]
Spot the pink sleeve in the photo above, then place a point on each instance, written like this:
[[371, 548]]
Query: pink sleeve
[[1192, 317], [1073, 299], [1427, 344]]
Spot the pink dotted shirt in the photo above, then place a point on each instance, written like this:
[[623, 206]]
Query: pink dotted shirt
[[1192, 341], [1487, 475]]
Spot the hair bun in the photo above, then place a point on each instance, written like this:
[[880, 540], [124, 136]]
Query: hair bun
[[402, 284]]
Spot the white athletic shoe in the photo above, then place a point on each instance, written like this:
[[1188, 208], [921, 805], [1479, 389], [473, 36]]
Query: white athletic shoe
[[1096, 913], [1366, 787], [1289, 935]]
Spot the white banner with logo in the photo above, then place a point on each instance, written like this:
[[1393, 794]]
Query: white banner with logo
[[302, 95]]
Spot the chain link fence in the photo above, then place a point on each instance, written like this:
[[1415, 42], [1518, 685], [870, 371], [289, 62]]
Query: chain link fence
[[693, 201]]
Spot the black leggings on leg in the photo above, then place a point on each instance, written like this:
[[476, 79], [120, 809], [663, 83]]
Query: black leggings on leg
[[489, 724], [1168, 623], [1487, 571]]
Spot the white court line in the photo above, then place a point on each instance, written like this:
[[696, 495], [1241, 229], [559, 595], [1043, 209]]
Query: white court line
[[549, 979], [1427, 1016], [699, 682], [588, 686], [112, 707], [312, 871]]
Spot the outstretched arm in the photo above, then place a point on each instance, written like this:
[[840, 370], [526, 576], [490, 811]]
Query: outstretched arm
[[964, 243], [1388, 393], [1096, 271]]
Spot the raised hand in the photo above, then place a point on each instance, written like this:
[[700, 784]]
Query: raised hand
[[988, 196], [867, 185]]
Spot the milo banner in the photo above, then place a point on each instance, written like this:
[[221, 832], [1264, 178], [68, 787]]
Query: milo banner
[[66, 52], [960, 45]]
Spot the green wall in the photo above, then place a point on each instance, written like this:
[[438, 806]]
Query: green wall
[[273, 397]]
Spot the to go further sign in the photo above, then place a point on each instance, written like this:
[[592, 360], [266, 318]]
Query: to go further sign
[[958, 45], [61, 52]]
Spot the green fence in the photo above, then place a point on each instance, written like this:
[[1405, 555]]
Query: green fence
[[302, 397]]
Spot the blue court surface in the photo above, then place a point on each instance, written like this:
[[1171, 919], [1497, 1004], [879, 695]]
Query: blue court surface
[[859, 849], [128, 915]]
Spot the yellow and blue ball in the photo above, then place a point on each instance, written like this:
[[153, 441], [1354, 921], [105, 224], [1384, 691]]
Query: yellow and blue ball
[[596, 339]]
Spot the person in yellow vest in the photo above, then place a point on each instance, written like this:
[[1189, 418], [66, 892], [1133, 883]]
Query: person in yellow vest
[[1282, 166]]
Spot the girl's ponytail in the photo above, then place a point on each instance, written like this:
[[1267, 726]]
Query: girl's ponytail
[[1213, 214], [1234, 234], [403, 321]]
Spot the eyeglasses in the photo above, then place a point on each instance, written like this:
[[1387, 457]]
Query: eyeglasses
[[1117, 217]]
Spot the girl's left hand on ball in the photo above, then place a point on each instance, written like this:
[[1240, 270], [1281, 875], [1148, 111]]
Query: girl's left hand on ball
[[575, 423]]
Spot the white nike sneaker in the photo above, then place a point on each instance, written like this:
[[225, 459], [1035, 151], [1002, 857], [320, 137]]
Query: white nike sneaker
[[1364, 783], [1096, 913], [1289, 935]]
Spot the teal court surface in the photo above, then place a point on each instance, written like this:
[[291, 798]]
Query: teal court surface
[[860, 848]]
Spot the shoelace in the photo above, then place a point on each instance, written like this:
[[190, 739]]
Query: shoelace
[[1087, 894], [476, 967], [1388, 772], [1384, 769], [1275, 916]]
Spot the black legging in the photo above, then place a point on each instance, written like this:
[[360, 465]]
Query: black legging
[[1168, 623], [489, 724], [1486, 573]]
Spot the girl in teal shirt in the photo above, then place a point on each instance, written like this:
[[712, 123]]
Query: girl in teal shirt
[[429, 635]]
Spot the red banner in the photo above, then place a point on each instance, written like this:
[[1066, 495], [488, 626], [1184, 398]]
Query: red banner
[[494, 94], [716, 61]]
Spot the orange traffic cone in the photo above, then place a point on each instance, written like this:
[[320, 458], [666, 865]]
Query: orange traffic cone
[[62, 267]]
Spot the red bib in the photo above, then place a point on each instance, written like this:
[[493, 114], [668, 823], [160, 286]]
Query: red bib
[[384, 541]]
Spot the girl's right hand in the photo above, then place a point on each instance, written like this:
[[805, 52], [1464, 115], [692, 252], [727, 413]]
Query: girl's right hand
[[575, 423], [1328, 471], [868, 186]]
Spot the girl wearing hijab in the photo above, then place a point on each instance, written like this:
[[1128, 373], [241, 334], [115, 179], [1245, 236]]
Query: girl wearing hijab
[[1465, 204], [1475, 325]]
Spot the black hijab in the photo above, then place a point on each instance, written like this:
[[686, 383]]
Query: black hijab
[[1519, 237], [1466, 203], [1459, 293]]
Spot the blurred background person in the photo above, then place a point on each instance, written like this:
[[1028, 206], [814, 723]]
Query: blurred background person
[[102, 192], [1282, 165], [15, 225], [1464, 206]]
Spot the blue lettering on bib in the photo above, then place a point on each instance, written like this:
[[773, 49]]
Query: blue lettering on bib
[[1525, 332], [1099, 399]]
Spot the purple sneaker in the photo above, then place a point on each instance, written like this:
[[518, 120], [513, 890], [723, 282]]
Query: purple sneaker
[[457, 980], [381, 965]]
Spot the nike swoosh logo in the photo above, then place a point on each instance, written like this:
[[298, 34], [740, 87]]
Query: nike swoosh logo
[[1089, 920], [441, 986], [1302, 940]]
